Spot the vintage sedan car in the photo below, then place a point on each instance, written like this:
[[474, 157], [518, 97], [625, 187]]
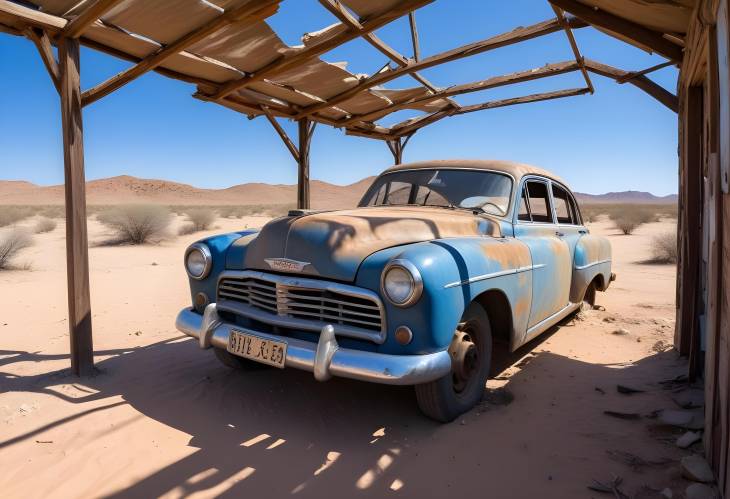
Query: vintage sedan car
[[440, 260]]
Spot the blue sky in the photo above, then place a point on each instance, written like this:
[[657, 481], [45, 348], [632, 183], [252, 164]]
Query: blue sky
[[617, 139]]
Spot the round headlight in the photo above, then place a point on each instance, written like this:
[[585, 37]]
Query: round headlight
[[198, 261], [401, 283]]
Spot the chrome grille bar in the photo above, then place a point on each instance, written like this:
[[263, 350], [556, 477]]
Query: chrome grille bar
[[305, 303]]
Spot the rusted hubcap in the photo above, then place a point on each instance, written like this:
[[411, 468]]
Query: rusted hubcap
[[464, 359]]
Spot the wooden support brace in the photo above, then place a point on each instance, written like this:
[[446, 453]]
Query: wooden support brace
[[77, 248], [574, 46], [282, 133], [414, 36], [633, 74], [43, 43]]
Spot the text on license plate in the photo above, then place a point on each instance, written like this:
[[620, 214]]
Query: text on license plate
[[257, 348]]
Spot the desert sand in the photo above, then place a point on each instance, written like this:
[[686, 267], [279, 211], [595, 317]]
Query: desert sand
[[163, 418]]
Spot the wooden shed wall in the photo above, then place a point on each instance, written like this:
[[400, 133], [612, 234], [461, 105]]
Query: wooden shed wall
[[703, 316]]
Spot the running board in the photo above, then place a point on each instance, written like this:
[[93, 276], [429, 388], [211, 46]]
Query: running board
[[549, 322]]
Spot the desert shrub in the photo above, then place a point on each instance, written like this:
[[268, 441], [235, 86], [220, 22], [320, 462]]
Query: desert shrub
[[11, 244], [52, 211], [664, 248], [200, 218], [10, 215], [44, 224], [136, 224], [590, 213], [186, 229], [627, 218]]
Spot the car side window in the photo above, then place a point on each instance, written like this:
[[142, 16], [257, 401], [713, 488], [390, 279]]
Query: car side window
[[539, 201], [524, 210], [563, 208], [398, 193]]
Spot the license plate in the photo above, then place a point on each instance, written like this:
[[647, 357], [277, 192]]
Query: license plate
[[256, 348]]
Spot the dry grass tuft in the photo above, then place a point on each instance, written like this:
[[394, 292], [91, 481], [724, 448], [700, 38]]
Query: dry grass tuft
[[136, 224], [200, 218], [10, 215], [44, 225], [11, 244], [664, 248]]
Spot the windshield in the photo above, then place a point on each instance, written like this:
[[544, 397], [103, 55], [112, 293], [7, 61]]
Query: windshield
[[453, 188]]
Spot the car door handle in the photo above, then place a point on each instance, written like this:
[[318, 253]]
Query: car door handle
[[582, 232], [559, 234]]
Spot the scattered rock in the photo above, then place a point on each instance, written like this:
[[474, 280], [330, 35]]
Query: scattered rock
[[626, 390], [690, 399], [622, 415], [154, 264], [498, 396], [44, 441], [690, 420], [600, 390], [660, 346], [599, 307], [609, 318], [667, 493], [621, 332], [695, 468], [701, 491], [688, 439]]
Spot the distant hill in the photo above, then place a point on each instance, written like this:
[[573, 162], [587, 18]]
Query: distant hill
[[127, 189], [628, 197]]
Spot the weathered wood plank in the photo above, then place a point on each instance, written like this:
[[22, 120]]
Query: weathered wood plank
[[560, 14], [645, 36], [76, 27], [248, 13], [515, 36], [77, 257], [326, 44]]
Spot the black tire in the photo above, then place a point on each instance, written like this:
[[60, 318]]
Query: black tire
[[589, 297], [235, 362], [447, 398]]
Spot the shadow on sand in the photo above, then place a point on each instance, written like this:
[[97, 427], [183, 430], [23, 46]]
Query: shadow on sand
[[276, 433]]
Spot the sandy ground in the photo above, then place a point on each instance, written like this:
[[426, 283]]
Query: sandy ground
[[163, 418]]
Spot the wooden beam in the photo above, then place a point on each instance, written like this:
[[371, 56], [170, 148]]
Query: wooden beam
[[406, 127], [77, 248], [477, 86], [249, 13], [515, 36], [414, 36], [659, 93], [282, 133], [573, 45], [327, 43], [76, 27], [637, 32], [305, 137], [633, 74], [43, 44]]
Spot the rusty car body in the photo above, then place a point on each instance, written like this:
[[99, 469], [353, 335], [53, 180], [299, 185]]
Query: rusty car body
[[440, 260]]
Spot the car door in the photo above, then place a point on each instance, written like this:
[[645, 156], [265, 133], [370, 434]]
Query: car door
[[551, 255], [566, 217]]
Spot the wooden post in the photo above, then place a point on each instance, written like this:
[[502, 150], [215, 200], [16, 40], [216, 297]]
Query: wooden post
[[77, 250], [397, 145], [305, 136]]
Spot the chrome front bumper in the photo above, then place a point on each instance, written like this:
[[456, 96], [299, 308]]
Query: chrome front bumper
[[325, 358]]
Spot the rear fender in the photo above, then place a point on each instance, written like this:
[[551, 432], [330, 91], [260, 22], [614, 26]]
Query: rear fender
[[592, 258]]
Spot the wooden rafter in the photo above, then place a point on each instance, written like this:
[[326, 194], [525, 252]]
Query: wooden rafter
[[634, 74], [574, 46], [515, 36], [327, 43], [282, 133], [414, 36], [250, 12], [97, 8], [477, 86], [409, 127], [654, 40], [345, 17], [43, 43], [659, 93]]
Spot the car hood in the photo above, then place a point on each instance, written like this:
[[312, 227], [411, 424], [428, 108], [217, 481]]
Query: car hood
[[333, 244]]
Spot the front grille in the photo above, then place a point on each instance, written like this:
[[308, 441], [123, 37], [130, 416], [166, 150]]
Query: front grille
[[306, 300]]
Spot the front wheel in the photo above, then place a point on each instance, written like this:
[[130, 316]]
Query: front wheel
[[471, 357]]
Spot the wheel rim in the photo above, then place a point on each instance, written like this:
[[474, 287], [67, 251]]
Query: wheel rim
[[465, 359]]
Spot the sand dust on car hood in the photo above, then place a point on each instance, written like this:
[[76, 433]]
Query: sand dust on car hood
[[333, 244]]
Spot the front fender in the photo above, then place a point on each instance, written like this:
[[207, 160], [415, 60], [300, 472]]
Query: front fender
[[455, 271]]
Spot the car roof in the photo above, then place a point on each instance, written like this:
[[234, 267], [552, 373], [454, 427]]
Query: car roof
[[516, 170]]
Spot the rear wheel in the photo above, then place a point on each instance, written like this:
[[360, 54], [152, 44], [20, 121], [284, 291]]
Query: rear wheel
[[471, 356], [235, 362], [589, 297]]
